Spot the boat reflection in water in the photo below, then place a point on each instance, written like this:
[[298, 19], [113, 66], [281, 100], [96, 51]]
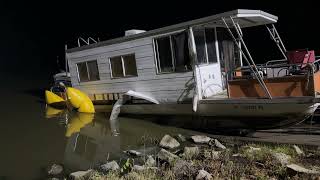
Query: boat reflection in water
[[90, 141]]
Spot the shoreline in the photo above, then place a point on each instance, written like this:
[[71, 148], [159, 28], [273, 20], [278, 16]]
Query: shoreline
[[202, 157]]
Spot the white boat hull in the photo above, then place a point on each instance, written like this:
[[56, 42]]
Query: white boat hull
[[235, 114]]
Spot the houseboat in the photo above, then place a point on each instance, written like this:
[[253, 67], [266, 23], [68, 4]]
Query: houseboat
[[200, 68]]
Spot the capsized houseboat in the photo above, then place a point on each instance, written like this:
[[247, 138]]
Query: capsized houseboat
[[200, 68]]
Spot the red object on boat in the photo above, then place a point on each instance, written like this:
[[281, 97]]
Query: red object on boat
[[301, 56]]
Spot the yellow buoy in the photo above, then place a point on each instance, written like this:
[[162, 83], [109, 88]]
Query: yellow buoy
[[77, 122], [80, 100], [52, 98]]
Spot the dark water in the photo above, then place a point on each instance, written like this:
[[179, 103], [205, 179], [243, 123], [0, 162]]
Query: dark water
[[32, 139]]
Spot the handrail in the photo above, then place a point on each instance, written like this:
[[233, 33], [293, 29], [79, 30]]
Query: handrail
[[87, 42]]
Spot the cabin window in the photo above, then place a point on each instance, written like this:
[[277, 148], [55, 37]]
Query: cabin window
[[123, 66], [205, 45], [172, 53], [88, 71]]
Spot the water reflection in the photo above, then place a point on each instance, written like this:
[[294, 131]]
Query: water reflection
[[78, 121], [93, 139], [89, 142]]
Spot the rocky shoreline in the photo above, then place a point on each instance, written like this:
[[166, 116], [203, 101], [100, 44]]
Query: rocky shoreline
[[201, 157]]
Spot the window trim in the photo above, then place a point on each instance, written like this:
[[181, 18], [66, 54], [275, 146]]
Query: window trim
[[206, 48], [88, 71], [123, 66], [156, 50]]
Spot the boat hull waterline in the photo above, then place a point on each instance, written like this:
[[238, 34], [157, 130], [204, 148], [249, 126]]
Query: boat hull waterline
[[213, 115]]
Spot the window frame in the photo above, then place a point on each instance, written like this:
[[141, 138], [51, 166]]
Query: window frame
[[123, 66], [88, 71], [156, 52], [206, 48]]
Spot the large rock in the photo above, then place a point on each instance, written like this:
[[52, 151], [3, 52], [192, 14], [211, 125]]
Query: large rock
[[169, 142], [110, 166], [301, 169], [298, 150], [219, 145], [167, 156], [202, 174], [201, 139], [55, 169], [81, 175], [190, 152], [150, 162], [282, 158]]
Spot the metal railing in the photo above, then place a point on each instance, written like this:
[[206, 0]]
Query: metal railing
[[277, 69]]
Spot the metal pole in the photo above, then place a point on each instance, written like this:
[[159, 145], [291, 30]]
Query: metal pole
[[255, 70], [277, 43], [66, 60], [251, 59]]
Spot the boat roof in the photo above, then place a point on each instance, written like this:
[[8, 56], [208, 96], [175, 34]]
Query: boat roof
[[244, 17]]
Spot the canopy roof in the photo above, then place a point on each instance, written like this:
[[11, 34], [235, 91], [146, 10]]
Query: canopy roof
[[244, 17]]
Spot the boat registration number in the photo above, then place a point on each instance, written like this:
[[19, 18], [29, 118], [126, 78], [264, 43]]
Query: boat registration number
[[249, 107]]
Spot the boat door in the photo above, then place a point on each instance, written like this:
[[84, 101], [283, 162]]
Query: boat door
[[207, 68]]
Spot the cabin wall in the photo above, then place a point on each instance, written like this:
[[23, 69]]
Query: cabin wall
[[171, 87]]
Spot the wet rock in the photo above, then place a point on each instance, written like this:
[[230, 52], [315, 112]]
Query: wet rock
[[190, 152], [201, 139], [282, 158], [181, 138], [138, 168], [167, 156], [113, 166], [202, 174], [219, 145], [298, 150], [169, 142], [150, 162], [55, 169], [301, 169], [183, 169], [81, 175], [133, 153]]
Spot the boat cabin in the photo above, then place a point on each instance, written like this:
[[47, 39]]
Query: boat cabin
[[206, 58]]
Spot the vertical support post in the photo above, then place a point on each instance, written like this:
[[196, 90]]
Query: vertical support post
[[193, 53], [66, 59]]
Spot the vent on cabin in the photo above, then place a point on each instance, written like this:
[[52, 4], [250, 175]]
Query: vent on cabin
[[133, 31]]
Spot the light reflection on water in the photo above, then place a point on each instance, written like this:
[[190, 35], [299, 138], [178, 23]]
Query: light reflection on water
[[91, 138]]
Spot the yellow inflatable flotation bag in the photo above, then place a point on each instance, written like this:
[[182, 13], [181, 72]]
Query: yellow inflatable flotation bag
[[77, 122], [52, 98], [80, 101]]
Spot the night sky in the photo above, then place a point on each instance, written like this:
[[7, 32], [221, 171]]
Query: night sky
[[33, 34]]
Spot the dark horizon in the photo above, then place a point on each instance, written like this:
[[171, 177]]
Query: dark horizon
[[36, 33]]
